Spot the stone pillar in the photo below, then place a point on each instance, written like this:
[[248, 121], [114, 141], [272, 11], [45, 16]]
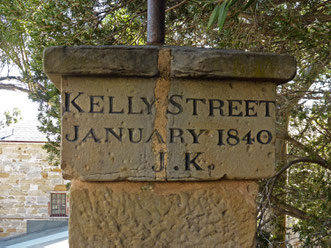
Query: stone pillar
[[164, 146]]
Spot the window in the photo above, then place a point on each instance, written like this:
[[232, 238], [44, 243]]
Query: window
[[58, 204]]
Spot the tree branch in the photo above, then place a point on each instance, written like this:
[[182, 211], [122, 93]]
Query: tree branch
[[176, 6], [318, 159], [277, 2], [13, 87], [312, 18], [284, 208], [167, 10], [10, 78], [303, 160]]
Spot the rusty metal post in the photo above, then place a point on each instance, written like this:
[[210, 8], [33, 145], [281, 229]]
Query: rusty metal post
[[155, 22]]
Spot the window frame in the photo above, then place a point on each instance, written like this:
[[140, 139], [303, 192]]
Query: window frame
[[59, 201]]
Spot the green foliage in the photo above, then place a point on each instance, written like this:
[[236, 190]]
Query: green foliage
[[11, 117], [27, 27], [300, 28]]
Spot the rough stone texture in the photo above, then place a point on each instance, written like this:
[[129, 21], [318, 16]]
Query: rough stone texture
[[98, 107], [186, 62], [26, 181], [226, 159], [97, 155], [105, 60], [124, 214], [216, 63], [99, 159]]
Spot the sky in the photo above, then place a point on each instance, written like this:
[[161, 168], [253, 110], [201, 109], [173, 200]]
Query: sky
[[20, 100], [16, 99]]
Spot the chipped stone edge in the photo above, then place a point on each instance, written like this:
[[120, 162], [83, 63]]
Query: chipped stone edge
[[142, 61], [100, 61], [239, 65]]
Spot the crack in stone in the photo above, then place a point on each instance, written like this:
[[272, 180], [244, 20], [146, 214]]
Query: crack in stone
[[194, 178], [114, 172], [161, 93]]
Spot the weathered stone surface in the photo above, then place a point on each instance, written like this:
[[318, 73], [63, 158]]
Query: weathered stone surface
[[216, 63], [4, 174], [102, 60], [97, 154], [187, 130], [124, 214], [142, 61], [174, 113], [238, 141], [60, 188]]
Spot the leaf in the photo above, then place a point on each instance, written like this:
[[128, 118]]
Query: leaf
[[214, 15], [249, 3], [222, 15], [231, 3]]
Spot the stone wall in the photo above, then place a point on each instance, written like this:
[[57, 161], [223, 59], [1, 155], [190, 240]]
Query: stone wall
[[27, 180]]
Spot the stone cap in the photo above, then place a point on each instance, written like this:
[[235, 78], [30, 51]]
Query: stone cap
[[187, 62]]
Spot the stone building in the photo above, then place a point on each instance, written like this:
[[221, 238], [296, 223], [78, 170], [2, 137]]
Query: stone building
[[33, 193]]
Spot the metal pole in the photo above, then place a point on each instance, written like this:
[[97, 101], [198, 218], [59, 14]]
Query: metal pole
[[155, 22]]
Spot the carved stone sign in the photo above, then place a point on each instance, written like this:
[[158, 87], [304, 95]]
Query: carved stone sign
[[118, 128], [171, 126]]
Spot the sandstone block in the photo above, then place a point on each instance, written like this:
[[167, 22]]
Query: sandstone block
[[186, 115], [199, 130], [60, 188], [34, 211], [119, 61], [4, 187], [56, 170], [45, 188], [44, 175], [20, 211], [142, 61], [23, 156], [173, 214], [217, 63], [43, 210], [42, 200], [194, 133]]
